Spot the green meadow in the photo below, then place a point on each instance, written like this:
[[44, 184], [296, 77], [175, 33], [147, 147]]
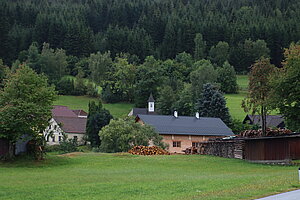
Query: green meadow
[[79, 176], [82, 102]]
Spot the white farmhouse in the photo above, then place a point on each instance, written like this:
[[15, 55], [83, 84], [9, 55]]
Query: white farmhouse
[[72, 123]]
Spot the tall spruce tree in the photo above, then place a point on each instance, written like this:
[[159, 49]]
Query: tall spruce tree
[[98, 117], [200, 46], [213, 104]]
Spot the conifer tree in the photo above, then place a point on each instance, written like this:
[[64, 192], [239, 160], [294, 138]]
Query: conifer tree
[[98, 117], [200, 47], [213, 104]]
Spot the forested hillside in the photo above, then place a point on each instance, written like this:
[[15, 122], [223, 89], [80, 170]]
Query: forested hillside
[[162, 28]]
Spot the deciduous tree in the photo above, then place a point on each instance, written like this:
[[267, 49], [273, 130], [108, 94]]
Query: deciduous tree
[[220, 53], [227, 78], [286, 88], [25, 105], [258, 99], [204, 73]]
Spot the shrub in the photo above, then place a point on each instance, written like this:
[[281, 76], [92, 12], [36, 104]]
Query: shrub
[[65, 86], [69, 145], [53, 148], [122, 134], [66, 146]]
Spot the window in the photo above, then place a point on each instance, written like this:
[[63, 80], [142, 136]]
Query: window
[[55, 127], [176, 144], [59, 138], [195, 144], [75, 137], [53, 139]]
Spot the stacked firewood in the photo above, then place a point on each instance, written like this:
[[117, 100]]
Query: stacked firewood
[[191, 150], [145, 150], [269, 133]]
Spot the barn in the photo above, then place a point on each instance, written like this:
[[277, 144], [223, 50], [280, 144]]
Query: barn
[[273, 149], [181, 132]]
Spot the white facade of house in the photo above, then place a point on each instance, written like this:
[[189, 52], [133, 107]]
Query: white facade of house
[[54, 134]]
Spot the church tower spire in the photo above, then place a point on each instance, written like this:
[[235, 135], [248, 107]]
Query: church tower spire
[[151, 104]]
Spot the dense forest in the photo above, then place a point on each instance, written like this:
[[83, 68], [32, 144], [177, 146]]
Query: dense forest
[[152, 27]]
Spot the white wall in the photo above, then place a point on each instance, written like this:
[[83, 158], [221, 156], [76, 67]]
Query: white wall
[[57, 134]]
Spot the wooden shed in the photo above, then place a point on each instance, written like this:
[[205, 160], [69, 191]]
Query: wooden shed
[[273, 149]]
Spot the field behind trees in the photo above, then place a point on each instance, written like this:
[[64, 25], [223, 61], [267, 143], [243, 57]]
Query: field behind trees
[[122, 109], [124, 176]]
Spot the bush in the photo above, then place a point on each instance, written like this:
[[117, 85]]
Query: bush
[[65, 86], [66, 146], [108, 95], [237, 126], [122, 134], [52, 148], [79, 89], [69, 145], [91, 90]]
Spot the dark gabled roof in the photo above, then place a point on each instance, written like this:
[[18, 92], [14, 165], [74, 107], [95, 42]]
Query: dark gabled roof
[[183, 125], [80, 113], [271, 120], [71, 124], [141, 111], [62, 111], [151, 99]]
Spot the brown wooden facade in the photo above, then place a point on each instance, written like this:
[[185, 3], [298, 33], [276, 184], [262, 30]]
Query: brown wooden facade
[[273, 148]]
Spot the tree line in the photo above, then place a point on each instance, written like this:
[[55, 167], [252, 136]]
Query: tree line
[[238, 29], [176, 83]]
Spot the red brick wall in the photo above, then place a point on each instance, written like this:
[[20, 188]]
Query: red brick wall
[[186, 141]]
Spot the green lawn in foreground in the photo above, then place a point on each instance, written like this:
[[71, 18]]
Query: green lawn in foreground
[[124, 176], [81, 102]]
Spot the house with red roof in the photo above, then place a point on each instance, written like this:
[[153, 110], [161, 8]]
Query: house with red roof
[[66, 122]]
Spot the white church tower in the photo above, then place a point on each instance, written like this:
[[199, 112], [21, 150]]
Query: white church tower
[[151, 104]]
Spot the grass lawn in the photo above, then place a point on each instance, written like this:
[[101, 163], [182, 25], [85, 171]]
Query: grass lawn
[[81, 102], [234, 102], [243, 81], [124, 176]]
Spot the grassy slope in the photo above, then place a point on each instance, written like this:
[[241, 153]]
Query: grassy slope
[[124, 176], [234, 101], [81, 102]]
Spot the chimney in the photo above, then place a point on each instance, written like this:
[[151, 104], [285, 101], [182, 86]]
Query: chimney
[[197, 115], [175, 114]]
